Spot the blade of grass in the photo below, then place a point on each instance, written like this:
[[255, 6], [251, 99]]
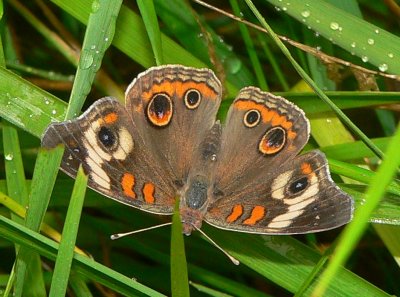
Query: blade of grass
[[357, 36], [355, 229], [179, 274], [65, 254], [288, 262], [103, 81], [262, 82], [81, 264], [310, 82], [98, 37], [149, 17]]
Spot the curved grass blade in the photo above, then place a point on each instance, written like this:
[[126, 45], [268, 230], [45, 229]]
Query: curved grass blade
[[359, 37], [179, 273], [62, 269], [81, 264], [356, 228], [149, 17]]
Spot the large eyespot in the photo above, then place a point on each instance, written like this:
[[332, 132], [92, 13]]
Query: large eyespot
[[192, 99], [273, 141], [107, 137], [159, 110], [298, 185], [251, 118]]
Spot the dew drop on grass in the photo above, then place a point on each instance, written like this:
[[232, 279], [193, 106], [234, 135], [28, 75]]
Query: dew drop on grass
[[390, 55], [383, 67], [371, 41], [334, 26], [305, 13], [9, 157], [95, 6], [353, 44], [364, 59], [86, 59]]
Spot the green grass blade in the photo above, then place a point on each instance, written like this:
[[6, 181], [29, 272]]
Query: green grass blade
[[81, 264], [98, 37], [262, 82], [310, 82], [149, 17], [355, 229], [359, 37], [65, 254], [179, 273], [288, 262]]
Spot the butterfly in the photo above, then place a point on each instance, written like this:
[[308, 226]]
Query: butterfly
[[245, 175]]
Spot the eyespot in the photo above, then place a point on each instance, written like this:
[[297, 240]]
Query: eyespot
[[107, 137], [251, 118], [273, 141], [298, 185], [192, 99], [159, 110]]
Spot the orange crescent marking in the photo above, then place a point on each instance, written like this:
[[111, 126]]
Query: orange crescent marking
[[148, 193], [127, 183], [257, 214], [306, 168], [268, 115], [237, 211], [179, 88], [110, 118]]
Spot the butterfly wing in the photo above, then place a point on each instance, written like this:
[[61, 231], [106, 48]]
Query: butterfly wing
[[139, 154], [173, 108], [107, 144], [261, 185]]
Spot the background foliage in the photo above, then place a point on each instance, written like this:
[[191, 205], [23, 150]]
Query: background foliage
[[58, 56]]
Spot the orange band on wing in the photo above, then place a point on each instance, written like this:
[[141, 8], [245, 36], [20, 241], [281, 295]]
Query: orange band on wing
[[237, 211], [148, 193], [127, 183], [306, 168], [267, 115], [179, 88], [110, 118], [257, 214]]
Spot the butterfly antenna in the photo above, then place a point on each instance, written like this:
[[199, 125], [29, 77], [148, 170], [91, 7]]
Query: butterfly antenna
[[233, 259], [119, 235]]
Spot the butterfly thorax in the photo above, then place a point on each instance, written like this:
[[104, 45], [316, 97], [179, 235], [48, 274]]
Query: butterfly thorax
[[194, 203]]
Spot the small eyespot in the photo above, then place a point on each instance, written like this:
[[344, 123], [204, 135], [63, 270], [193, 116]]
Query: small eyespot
[[298, 185], [273, 141], [107, 137], [251, 118], [192, 99], [159, 110]]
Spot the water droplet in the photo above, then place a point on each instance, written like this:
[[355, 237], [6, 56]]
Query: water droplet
[[86, 59], [284, 8], [364, 59], [316, 34], [47, 102], [306, 13], [353, 44], [54, 111], [334, 26], [93, 47], [371, 41], [377, 31], [318, 48], [95, 6], [390, 55], [9, 157], [383, 67]]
